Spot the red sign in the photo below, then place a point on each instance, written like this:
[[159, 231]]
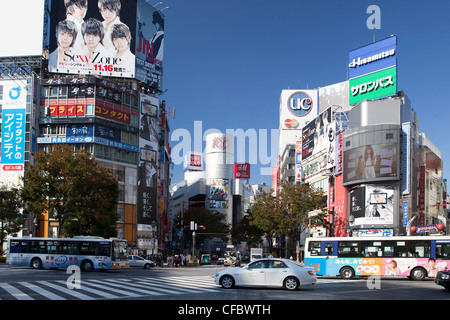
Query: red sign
[[13, 167], [241, 170]]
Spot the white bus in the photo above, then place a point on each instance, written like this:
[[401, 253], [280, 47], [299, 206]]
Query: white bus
[[88, 253], [416, 257]]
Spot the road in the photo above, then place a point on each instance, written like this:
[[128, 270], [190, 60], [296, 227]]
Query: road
[[195, 284]]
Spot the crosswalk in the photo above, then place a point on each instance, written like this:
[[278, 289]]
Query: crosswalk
[[98, 289]]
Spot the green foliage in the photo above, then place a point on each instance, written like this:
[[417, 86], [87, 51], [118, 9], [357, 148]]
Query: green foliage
[[81, 196], [288, 214], [11, 220]]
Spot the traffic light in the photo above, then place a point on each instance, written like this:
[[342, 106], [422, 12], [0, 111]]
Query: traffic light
[[201, 228]]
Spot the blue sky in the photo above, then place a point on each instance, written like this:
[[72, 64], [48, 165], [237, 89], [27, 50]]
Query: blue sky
[[226, 61]]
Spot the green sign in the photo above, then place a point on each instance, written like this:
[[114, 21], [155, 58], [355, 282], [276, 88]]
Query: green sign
[[373, 85]]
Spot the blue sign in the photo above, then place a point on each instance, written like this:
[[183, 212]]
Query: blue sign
[[300, 104], [405, 213], [13, 135], [374, 57]]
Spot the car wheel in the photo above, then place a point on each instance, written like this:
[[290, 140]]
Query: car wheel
[[418, 274], [147, 266], [347, 273], [291, 283], [36, 263], [227, 282], [447, 286]]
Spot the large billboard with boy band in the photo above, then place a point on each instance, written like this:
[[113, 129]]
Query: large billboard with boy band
[[113, 38]]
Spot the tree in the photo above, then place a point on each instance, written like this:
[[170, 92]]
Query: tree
[[213, 221], [11, 219], [245, 231], [75, 191], [288, 214]]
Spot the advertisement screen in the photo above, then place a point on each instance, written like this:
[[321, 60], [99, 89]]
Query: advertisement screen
[[116, 38], [370, 163], [373, 86]]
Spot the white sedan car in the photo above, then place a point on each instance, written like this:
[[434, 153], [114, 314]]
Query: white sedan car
[[136, 261], [270, 272]]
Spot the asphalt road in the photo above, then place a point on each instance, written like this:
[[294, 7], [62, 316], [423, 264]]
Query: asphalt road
[[177, 289]]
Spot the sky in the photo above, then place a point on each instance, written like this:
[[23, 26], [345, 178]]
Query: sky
[[227, 61]]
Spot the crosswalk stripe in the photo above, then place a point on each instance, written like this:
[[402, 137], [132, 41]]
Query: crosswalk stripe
[[94, 291], [73, 292], [157, 284], [16, 293], [120, 291], [131, 287], [41, 291]]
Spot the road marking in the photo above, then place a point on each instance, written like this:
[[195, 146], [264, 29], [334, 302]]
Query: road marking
[[16, 293], [41, 291]]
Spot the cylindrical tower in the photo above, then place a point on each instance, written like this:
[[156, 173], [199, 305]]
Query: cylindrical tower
[[219, 159]]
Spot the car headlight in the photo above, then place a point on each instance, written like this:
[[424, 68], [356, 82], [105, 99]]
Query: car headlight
[[445, 276]]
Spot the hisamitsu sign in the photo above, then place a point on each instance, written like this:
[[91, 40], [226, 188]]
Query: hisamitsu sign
[[371, 58]]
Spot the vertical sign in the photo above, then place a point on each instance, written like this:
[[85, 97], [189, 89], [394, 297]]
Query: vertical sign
[[148, 148], [13, 132], [405, 213], [422, 189], [406, 159]]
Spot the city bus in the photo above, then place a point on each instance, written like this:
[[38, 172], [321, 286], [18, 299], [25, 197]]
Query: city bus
[[415, 257], [88, 253]]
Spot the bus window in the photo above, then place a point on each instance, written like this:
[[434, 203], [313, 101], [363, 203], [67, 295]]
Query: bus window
[[37, 246], [105, 249], [14, 246], [53, 247], [328, 249], [400, 249], [71, 247], [348, 249], [442, 251], [372, 249], [314, 248], [419, 248], [89, 248], [23, 246], [388, 249]]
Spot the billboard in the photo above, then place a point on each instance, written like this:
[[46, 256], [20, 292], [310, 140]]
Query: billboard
[[218, 193], [13, 102], [113, 38], [315, 134], [297, 107], [372, 204], [374, 85], [370, 163], [147, 171], [373, 57]]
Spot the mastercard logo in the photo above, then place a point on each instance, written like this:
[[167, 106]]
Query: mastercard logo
[[291, 123]]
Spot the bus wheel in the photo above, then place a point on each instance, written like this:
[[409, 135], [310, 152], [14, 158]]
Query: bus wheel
[[347, 273], [418, 274], [87, 266], [36, 263]]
